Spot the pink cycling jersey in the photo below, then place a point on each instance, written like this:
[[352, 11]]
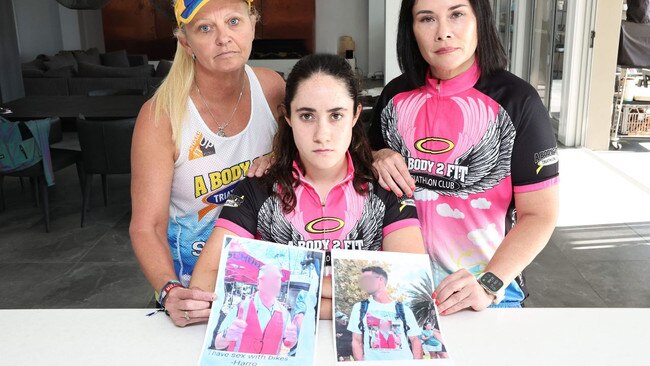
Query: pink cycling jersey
[[346, 220], [470, 143]]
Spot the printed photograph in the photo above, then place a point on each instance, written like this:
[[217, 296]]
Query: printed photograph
[[383, 309], [267, 304]]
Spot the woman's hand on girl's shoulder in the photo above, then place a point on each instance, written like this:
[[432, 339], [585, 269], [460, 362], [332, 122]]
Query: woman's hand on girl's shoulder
[[260, 166]]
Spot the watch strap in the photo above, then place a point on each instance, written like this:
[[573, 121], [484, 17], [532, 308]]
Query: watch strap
[[498, 295]]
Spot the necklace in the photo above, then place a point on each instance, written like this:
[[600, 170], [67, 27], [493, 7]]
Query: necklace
[[221, 129]]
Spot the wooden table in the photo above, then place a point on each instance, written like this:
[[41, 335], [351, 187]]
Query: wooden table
[[494, 337], [69, 107]]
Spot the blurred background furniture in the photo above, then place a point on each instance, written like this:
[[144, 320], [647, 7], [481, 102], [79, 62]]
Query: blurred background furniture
[[79, 72], [105, 149], [110, 92], [69, 107], [61, 158]]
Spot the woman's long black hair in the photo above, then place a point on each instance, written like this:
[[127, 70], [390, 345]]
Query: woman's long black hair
[[285, 151]]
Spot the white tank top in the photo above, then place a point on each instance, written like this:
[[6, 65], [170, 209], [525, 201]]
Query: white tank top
[[207, 170]]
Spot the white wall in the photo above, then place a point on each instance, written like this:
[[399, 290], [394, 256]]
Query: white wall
[[91, 29], [38, 27], [70, 34], [376, 36], [336, 18], [392, 16], [45, 27], [603, 67]]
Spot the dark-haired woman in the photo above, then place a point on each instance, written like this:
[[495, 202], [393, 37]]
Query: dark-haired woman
[[320, 192], [473, 145]]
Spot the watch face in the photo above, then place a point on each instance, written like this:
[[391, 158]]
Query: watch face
[[491, 281]]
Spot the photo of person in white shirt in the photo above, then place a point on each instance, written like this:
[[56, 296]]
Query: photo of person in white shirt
[[382, 328]]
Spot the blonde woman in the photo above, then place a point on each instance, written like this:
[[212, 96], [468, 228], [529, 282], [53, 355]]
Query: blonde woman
[[207, 127]]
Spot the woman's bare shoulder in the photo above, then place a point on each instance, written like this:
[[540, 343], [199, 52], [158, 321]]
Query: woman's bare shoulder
[[271, 81], [272, 85]]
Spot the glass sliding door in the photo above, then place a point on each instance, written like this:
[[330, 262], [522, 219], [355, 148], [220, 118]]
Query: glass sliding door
[[513, 20], [503, 15], [533, 33], [557, 61], [543, 21], [547, 56]]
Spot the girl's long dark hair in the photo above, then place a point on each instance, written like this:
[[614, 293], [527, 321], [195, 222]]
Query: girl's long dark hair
[[285, 151]]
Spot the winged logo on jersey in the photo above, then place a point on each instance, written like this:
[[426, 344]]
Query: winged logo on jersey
[[389, 128], [272, 223], [488, 161]]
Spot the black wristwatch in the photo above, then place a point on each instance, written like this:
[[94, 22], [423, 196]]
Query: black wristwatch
[[492, 285]]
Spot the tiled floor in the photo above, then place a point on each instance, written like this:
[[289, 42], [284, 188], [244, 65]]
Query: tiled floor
[[70, 267], [593, 266], [599, 256]]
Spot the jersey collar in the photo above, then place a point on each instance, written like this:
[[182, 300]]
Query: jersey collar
[[298, 173], [455, 85]]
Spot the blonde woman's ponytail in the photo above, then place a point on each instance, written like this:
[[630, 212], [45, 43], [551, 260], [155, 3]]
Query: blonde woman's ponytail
[[171, 97]]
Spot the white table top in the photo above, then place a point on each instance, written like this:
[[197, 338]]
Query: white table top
[[492, 337]]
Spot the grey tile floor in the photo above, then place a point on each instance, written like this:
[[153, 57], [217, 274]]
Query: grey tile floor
[[69, 267], [94, 266], [593, 266]]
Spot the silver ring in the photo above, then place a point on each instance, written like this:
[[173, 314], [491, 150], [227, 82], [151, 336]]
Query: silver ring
[[187, 316]]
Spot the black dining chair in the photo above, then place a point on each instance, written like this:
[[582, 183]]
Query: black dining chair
[[105, 149], [61, 158]]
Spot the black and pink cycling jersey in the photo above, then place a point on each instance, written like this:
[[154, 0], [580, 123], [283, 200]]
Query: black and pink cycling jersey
[[346, 220], [470, 143]]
